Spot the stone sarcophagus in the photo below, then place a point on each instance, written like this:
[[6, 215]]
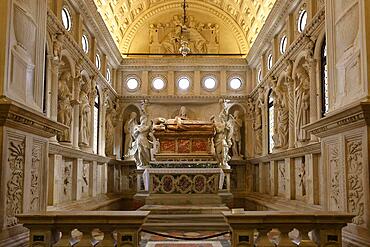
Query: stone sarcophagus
[[185, 140]]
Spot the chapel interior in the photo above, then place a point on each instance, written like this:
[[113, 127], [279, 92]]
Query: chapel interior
[[172, 123]]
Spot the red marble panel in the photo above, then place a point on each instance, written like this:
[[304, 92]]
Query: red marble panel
[[183, 146], [200, 145], [168, 146]]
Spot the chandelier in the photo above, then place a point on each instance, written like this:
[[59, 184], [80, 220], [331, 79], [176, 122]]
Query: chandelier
[[184, 44]]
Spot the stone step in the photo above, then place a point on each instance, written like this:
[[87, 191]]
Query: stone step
[[185, 218], [184, 209], [186, 226]]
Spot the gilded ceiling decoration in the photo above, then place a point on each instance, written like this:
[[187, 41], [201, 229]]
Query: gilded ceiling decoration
[[124, 18]]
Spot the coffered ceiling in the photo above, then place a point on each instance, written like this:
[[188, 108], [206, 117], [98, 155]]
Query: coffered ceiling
[[238, 22]]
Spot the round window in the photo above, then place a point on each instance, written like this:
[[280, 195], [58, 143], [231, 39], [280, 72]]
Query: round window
[[132, 84], [209, 83], [269, 62], [108, 75], [283, 44], [259, 75], [66, 19], [302, 20], [97, 61], [184, 83], [85, 43], [158, 83], [235, 83]]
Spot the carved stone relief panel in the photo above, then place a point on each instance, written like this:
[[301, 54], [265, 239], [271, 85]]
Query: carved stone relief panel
[[282, 177], [66, 193], [301, 177], [201, 37], [85, 176], [348, 67], [15, 182], [355, 180], [335, 177], [26, 42], [36, 177]]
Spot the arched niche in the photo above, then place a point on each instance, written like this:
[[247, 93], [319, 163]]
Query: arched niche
[[232, 111]]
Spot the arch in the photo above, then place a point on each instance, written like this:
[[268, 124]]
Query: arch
[[66, 55], [270, 120], [236, 105], [173, 4]]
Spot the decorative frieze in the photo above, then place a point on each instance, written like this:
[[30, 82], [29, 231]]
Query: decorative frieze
[[35, 188], [355, 184], [15, 182], [335, 178]]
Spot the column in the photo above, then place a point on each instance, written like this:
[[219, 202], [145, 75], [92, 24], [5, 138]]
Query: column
[[171, 83], [290, 85], [197, 82], [313, 94], [223, 83], [75, 123], [54, 90]]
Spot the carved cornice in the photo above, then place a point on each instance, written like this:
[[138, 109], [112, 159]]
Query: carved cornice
[[314, 148], [293, 50], [54, 26], [275, 19], [186, 63], [206, 99], [344, 120], [17, 116], [100, 30], [69, 152]]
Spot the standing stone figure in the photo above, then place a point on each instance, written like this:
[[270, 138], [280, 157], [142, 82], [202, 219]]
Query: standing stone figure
[[85, 115], [302, 92], [221, 139], [142, 143], [281, 137], [129, 131], [64, 106], [236, 125], [109, 128]]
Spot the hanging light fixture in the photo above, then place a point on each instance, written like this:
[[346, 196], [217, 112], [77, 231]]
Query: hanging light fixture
[[184, 48]]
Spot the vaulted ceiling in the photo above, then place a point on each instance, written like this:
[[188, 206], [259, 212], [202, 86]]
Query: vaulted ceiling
[[238, 21]]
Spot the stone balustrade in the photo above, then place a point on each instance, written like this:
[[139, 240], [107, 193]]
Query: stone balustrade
[[84, 228], [273, 228]]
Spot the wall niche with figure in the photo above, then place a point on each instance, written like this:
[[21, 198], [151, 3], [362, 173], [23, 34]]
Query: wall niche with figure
[[130, 117], [237, 125]]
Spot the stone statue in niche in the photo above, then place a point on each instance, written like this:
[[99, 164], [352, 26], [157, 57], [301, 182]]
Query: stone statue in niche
[[64, 105], [236, 124], [281, 137], [58, 46], [110, 116], [165, 37], [129, 131], [143, 143], [302, 98], [85, 115], [222, 140]]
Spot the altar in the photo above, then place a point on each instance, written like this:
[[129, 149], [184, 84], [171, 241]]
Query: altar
[[184, 167]]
